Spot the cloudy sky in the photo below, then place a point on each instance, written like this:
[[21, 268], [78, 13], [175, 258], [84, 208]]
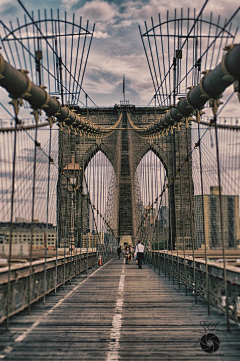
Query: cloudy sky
[[117, 47]]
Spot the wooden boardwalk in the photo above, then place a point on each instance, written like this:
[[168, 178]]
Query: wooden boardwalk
[[118, 312]]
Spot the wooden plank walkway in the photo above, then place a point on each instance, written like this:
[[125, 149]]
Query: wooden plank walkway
[[118, 312]]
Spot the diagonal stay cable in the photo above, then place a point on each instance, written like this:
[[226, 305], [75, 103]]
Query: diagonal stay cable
[[44, 37], [200, 13], [47, 70], [30, 54], [178, 170], [212, 43]]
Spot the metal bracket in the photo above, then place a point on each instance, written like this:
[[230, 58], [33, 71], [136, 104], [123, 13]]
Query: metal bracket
[[227, 76], [236, 86], [214, 104], [36, 113], [17, 103]]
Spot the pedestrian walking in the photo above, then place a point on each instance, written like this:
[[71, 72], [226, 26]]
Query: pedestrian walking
[[127, 253], [139, 250]]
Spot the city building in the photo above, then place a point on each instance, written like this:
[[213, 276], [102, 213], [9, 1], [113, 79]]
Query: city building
[[208, 220], [21, 233], [92, 240]]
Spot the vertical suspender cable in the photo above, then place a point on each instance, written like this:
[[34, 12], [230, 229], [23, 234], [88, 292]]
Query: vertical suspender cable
[[98, 210], [46, 231], [169, 65], [191, 214], [149, 206], [156, 219], [33, 205], [93, 219], [77, 269], [88, 185], [221, 222], [203, 215], [11, 220], [164, 228], [173, 185], [78, 190], [94, 194], [169, 206], [145, 206], [175, 246], [148, 209], [59, 205], [66, 225], [104, 206], [82, 198], [65, 236], [182, 228], [160, 220], [152, 219], [74, 235]]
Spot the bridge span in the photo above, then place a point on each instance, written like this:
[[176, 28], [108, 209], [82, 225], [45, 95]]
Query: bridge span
[[78, 180], [119, 312]]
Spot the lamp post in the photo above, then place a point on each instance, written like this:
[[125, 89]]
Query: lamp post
[[73, 182], [72, 171]]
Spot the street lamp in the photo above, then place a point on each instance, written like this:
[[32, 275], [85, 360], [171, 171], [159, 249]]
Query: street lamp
[[72, 171]]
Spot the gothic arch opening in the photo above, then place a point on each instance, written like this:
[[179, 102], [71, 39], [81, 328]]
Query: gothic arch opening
[[151, 201], [150, 175], [101, 186]]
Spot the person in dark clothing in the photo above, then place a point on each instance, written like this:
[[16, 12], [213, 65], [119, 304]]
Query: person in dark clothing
[[127, 253], [119, 251]]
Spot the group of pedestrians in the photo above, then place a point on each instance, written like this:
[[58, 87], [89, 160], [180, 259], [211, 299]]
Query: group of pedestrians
[[130, 253]]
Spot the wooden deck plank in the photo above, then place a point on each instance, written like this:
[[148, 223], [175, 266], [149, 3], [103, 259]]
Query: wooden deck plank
[[158, 322]]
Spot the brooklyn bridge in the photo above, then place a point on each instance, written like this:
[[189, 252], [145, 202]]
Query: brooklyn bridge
[[78, 181]]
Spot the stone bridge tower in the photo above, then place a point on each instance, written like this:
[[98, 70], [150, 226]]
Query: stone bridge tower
[[125, 149]]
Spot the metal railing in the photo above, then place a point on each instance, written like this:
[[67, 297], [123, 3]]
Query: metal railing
[[210, 283], [58, 271]]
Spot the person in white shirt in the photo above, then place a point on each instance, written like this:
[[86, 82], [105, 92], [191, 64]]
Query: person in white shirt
[[139, 250]]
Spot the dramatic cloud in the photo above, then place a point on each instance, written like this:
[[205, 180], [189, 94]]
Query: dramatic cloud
[[99, 11], [117, 47], [8, 8]]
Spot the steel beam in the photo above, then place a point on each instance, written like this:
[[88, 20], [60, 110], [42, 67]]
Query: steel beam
[[19, 86], [212, 85]]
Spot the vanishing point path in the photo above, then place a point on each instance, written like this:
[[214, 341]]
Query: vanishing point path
[[118, 312]]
